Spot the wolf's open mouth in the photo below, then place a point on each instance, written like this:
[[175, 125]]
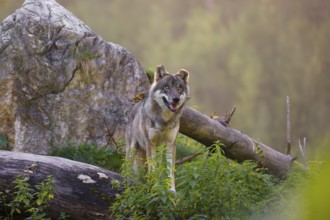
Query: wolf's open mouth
[[171, 106]]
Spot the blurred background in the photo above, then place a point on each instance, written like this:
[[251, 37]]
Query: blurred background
[[248, 54]]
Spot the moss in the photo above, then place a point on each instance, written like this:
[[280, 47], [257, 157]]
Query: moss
[[150, 73], [4, 145], [85, 55]]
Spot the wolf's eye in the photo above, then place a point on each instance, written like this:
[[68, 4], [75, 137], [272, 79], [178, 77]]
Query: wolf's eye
[[179, 89], [167, 87]]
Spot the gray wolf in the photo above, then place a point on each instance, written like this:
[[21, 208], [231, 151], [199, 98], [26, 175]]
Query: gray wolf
[[155, 120]]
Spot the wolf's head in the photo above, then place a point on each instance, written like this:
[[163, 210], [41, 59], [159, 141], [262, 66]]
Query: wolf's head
[[170, 91]]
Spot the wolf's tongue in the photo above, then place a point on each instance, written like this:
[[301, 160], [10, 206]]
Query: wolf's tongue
[[173, 107]]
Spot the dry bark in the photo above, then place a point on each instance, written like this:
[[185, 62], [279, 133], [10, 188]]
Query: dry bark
[[237, 146]]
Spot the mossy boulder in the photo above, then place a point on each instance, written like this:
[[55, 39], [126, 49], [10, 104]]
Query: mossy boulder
[[60, 82]]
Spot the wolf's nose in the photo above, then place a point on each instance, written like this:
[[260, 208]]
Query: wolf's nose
[[176, 100]]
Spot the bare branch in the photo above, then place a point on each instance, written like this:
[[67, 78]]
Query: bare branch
[[187, 158], [288, 127], [224, 120], [303, 150]]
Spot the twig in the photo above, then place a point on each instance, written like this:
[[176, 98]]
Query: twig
[[224, 120], [303, 150], [110, 134], [187, 158], [229, 115], [288, 127]]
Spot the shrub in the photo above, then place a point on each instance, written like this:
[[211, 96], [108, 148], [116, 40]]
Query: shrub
[[209, 187], [25, 200], [110, 159]]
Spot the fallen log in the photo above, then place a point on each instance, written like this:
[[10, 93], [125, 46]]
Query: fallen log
[[83, 191], [237, 146]]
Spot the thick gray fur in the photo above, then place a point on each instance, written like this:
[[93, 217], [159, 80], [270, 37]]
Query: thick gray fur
[[155, 120]]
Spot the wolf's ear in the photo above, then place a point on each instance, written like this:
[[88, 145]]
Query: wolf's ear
[[160, 73], [184, 74]]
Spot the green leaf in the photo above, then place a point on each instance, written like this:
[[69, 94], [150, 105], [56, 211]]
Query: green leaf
[[39, 202], [196, 175], [26, 201], [164, 199]]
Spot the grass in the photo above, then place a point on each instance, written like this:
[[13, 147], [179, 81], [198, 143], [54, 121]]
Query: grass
[[111, 159]]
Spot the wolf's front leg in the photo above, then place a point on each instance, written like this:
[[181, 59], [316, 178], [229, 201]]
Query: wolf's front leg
[[139, 160], [170, 163], [154, 139], [151, 157]]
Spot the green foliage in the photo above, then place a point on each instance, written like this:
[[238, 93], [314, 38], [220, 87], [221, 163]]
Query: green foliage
[[210, 187], [315, 197], [150, 73], [288, 198], [100, 156], [24, 200], [186, 146], [63, 216], [147, 198], [217, 187], [3, 142]]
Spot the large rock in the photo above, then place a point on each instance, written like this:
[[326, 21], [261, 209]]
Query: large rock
[[60, 82]]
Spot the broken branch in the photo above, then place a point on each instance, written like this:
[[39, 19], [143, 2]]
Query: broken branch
[[187, 158]]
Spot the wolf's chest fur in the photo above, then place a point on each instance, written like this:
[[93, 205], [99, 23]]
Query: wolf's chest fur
[[165, 127]]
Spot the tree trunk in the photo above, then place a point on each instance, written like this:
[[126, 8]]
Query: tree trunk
[[81, 198], [237, 146]]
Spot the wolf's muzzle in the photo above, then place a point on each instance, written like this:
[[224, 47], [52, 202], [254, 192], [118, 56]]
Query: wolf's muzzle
[[176, 100], [172, 106]]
